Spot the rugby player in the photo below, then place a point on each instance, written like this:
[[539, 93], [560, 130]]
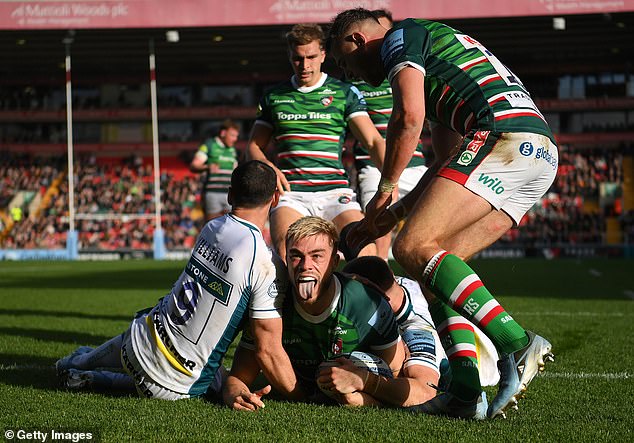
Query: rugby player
[[379, 102], [216, 158], [328, 314], [495, 156], [307, 118], [175, 350], [425, 368]]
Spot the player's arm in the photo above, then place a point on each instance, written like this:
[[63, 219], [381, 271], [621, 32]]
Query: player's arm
[[406, 122], [235, 391], [445, 143], [365, 132], [199, 163], [259, 139], [273, 359]]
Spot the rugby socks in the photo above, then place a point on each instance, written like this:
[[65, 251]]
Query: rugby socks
[[108, 355], [455, 283], [458, 339]]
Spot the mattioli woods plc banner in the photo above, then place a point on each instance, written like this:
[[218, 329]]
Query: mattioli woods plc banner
[[24, 14]]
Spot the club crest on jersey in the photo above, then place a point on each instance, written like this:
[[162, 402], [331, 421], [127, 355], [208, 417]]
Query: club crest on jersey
[[344, 199], [326, 101]]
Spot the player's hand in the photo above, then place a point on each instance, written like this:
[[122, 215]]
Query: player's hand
[[375, 207], [342, 378], [213, 168], [282, 184], [245, 400]]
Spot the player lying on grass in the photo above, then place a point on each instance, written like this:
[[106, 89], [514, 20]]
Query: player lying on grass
[[175, 350], [309, 322], [419, 380], [328, 314], [495, 156]]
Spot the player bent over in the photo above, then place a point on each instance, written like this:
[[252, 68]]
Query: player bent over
[[495, 156], [175, 350], [328, 314]]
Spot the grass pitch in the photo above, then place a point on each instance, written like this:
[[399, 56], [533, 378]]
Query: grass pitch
[[585, 308]]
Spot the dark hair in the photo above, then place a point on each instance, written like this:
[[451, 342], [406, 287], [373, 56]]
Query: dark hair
[[371, 268], [380, 13], [303, 34], [252, 184], [344, 20]]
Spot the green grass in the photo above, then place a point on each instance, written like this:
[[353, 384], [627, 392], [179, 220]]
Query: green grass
[[47, 309]]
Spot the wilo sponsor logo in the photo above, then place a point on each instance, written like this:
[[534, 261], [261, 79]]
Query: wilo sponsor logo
[[494, 184]]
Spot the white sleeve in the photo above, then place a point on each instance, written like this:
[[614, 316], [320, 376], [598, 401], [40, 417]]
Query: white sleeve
[[269, 285]]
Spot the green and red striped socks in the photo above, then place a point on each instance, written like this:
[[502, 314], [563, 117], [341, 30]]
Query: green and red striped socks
[[455, 283], [458, 339]]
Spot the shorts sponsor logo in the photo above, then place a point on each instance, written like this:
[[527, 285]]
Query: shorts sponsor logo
[[344, 199], [544, 154], [526, 149], [494, 184], [326, 101], [479, 139], [466, 158]]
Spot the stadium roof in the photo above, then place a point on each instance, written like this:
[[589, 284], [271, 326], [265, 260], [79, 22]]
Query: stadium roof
[[528, 45]]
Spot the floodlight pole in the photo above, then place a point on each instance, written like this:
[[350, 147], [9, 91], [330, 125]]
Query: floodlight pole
[[71, 236], [159, 237]]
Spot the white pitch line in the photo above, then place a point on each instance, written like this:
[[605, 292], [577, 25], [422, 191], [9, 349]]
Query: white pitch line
[[589, 375], [572, 314]]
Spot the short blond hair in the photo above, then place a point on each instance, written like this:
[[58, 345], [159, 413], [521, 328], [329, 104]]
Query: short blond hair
[[310, 226]]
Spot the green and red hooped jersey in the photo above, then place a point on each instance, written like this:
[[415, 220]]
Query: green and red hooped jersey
[[379, 101], [226, 157], [466, 87], [309, 125], [358, 319]]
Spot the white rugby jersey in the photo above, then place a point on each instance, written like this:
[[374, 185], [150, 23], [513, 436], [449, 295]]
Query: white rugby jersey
[[230, 274]]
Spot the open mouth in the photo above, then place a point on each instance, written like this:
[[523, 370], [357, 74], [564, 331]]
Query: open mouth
[[306, 286]]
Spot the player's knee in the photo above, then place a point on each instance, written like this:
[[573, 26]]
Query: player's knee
[[410, 253]]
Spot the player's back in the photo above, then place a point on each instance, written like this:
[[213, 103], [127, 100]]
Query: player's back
[[466, 86], [184, 338]]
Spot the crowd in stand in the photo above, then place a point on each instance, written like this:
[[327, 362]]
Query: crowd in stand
[[102, 194], [572, 212]]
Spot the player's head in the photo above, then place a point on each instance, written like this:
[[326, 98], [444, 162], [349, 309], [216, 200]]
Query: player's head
[[229, 132], [253, 184], [372, 268], [306, 52], [378, 273], [355, 40], [384, 17], [311, 256]]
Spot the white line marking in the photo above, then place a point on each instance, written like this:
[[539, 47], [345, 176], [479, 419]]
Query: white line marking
[[589, 375], [571, 314], [595, 272]]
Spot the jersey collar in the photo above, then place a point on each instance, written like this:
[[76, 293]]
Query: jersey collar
[[306, 89], [248, 224]]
